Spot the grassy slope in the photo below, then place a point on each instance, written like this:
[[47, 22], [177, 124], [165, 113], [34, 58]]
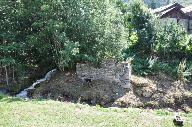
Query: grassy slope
[[17, 113]]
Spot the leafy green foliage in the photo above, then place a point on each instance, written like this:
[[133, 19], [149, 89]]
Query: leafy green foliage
[[171, 40], [143, 66], [149, 37], [62, 32], [42, 33], [183, 72], [141, 23]]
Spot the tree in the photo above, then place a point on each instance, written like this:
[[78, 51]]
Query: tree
[[62, 32], [141, 22], [171, 40]]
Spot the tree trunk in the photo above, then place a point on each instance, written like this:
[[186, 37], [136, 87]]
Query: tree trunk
[[14, 74], [7, 78]]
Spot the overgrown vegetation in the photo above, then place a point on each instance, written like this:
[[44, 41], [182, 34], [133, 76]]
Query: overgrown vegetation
[[60, 32], [36, 35], [51, 33], [48, 34], [156, 46]]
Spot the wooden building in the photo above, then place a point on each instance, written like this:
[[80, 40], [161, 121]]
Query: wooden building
[[176, 13]]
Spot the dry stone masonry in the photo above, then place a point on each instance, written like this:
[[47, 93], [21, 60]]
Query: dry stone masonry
[[119, 73]]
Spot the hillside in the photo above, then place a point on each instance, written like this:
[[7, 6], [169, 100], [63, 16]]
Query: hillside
[[158, 91], [41, 113]]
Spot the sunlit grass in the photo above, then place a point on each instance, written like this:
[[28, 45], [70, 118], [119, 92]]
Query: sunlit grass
[[15, 112]]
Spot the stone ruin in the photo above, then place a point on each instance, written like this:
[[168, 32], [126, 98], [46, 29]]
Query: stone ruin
[[111, 71]]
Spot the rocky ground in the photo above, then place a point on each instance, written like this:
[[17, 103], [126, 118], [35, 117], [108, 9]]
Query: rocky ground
[[158, 91]]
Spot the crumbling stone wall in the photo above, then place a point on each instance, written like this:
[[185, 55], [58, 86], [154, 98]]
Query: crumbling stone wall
[[119, 73]]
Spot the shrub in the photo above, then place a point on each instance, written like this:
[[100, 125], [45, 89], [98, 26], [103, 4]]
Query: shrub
[[61, 33], [141, 23], [171, 41]]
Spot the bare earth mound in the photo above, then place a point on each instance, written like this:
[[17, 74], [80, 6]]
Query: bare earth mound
[[159, 91]]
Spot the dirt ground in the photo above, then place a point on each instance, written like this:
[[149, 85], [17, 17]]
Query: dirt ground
[[158, 91]]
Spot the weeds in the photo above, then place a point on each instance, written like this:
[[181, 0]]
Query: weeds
[[151, 66], [183, 72]]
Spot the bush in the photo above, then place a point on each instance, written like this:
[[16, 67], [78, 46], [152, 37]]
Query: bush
[[150, 66], [148, 36], [171, 41], [61, 33], [141, 23]]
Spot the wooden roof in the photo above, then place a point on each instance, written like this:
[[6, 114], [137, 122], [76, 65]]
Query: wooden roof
[[173, 11], [187, 10]]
